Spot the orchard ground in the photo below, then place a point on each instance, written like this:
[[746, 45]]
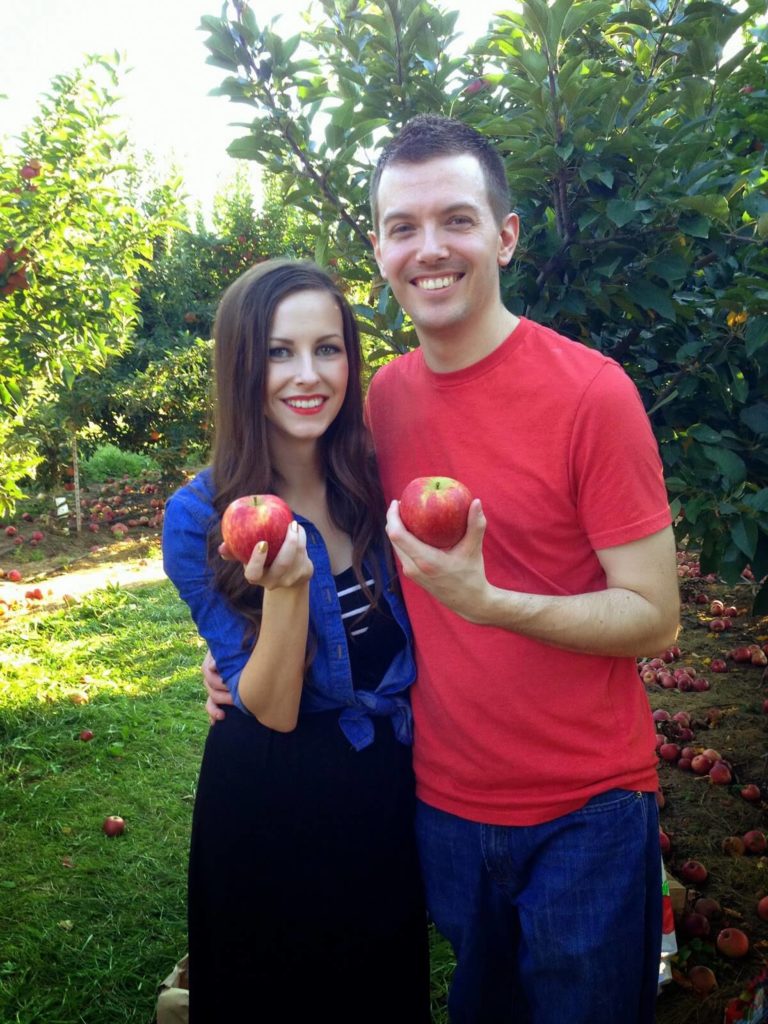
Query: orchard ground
[[703, 821]]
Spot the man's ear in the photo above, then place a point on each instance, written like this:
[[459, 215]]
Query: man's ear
[[376, 252], [509, 232]]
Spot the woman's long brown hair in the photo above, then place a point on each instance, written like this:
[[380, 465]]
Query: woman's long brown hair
[[241, 461]]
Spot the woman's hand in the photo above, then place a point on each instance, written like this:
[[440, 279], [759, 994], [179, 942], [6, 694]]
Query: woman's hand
[[292, 566]]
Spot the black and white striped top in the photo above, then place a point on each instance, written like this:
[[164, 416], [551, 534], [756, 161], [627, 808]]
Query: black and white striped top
[[373, 637], [354, 603]]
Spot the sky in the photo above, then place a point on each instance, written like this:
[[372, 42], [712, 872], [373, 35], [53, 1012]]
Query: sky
[[166, 105]]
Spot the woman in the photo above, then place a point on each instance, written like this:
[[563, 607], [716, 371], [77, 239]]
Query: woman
[[304, 892]]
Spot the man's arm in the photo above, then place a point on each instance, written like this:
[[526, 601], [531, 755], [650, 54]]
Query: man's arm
[[637, 613]]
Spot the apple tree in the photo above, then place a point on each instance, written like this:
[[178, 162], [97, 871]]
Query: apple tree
[[73, 246], [154, 397], [634, 139]]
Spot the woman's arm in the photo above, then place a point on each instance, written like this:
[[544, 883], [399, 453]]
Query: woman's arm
[[272, 680]]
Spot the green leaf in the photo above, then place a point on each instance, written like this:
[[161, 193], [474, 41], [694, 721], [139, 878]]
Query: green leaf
[[732, 466], [695, 225], [705, 434], [247, 147], [755, 417], [650, 296], [744, 534], [620, 211], [758, 501], [714, 207], [756, 334], [670, 267]]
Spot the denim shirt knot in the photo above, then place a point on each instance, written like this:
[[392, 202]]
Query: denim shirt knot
[[329, 685]]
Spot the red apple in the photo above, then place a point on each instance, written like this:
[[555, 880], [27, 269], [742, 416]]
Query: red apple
[[86, 735], [694, 871], [669, 751], [696, 925], [14, 576], [114, 825], [11, 531], [708, 907], [718, 665], [755, 841], [702, 979], [733, 846], [716, 607], [720, 774], [732, 942], [762, 909], [435, 509], [701, 764], [254, 518], [750, 792], [741, 654]]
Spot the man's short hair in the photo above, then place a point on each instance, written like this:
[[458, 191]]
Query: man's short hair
[[430, 136]]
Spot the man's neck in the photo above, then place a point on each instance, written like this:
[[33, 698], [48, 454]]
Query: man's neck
[[463, 346]]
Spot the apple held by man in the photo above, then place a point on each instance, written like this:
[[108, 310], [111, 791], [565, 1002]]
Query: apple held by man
[[435, 509], [254, 518]]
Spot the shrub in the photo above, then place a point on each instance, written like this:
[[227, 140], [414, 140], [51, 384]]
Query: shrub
[[109, 461]]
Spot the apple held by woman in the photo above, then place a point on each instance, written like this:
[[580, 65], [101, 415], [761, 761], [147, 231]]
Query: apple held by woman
[[435, 509], [254, 518]]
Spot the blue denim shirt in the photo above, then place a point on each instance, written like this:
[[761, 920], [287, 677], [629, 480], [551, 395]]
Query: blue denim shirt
[[189, 515]]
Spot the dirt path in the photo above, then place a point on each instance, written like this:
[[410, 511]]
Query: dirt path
[[81, 581]]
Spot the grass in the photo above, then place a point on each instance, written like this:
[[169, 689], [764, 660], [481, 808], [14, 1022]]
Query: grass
[[91, 925]]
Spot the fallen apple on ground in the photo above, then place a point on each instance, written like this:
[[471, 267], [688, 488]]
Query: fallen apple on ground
[[732, 942], [702, 979], [114, 825], [254, 518]]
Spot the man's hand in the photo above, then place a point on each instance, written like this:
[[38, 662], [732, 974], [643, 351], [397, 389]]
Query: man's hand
[[218, 694], [455, 577]]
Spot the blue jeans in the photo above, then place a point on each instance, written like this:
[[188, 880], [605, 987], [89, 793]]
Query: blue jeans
[[549, 923]]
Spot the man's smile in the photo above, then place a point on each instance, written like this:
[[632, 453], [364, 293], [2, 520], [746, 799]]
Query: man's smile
[[432, 284]]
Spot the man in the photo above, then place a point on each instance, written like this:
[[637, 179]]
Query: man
[[533, 750]]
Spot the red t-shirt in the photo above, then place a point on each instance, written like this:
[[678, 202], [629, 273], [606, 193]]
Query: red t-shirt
[[553, 437]]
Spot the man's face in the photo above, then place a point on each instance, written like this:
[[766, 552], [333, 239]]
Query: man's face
[[439, 246]]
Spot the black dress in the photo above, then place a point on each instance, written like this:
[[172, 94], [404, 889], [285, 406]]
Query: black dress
[[305, 900]]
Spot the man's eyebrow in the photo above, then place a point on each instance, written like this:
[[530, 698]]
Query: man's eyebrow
[[465, 204]]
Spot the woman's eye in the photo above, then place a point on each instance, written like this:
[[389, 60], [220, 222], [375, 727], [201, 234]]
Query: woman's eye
[[329, 350], [278, 352]]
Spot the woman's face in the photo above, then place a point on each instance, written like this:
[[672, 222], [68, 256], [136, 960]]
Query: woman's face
[[307, 368]]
